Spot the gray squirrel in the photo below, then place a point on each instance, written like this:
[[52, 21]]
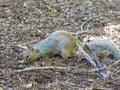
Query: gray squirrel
[[65, 44]]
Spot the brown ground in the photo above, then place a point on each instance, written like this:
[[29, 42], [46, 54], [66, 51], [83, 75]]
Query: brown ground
[[24, 22]]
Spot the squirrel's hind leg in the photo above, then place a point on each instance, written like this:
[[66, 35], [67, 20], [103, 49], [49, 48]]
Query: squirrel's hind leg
[[65, 54]]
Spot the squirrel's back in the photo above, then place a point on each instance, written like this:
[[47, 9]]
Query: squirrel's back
[[56, 40]]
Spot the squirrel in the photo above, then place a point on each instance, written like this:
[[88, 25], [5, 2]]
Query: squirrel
[[65, 44], [59, 42]]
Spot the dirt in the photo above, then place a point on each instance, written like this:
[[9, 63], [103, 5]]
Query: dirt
[[29, 21]]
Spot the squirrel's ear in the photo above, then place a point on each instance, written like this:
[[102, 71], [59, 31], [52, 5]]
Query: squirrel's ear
[[31, 48]]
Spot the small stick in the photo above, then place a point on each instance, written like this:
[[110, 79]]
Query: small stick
[[42, 68], [97, 84], [89, 20], [22, 47], [84, 23]]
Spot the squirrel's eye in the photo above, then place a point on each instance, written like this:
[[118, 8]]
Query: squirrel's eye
[[27, 56]]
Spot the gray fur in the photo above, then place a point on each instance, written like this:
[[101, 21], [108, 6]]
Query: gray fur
[[105, 45]]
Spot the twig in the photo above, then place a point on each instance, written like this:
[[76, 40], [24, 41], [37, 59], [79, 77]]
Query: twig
[[56, 4], [97, 84], [22, 47], [7, 8], [113, 64], [84, 23], [43, 68]]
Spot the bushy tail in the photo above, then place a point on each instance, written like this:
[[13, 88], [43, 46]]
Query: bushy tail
[[105, 44]]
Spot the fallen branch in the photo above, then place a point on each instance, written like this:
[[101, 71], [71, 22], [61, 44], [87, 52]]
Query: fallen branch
[[94, 62], [43, 68]]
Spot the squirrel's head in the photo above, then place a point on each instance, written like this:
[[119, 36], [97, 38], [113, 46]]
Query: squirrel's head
[[30, 55]]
